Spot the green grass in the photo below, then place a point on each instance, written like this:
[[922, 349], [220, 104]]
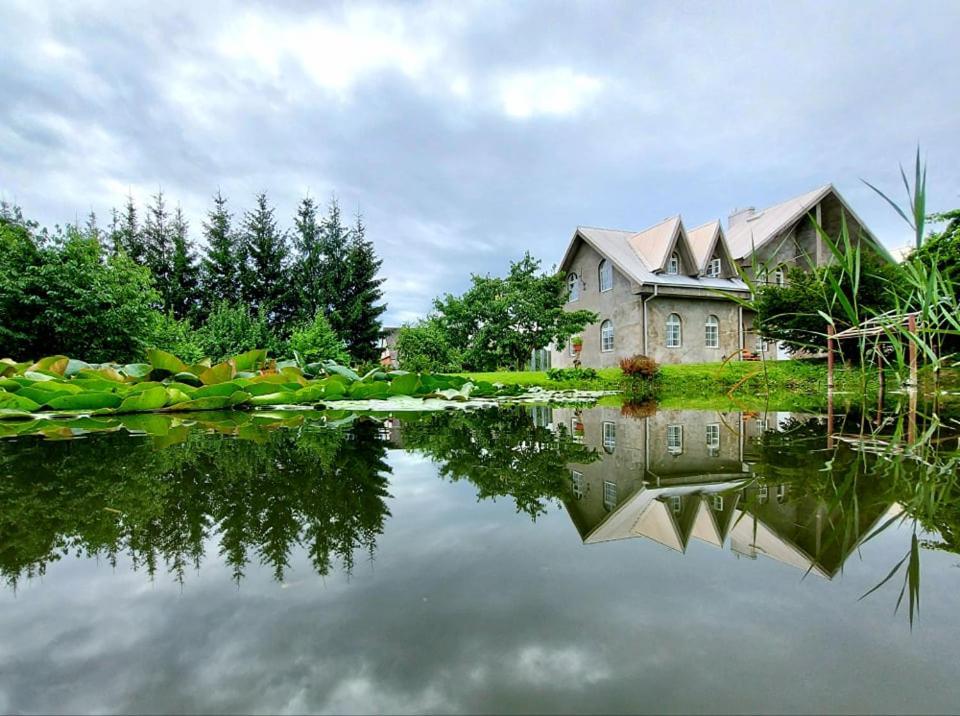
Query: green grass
[[781, 383]]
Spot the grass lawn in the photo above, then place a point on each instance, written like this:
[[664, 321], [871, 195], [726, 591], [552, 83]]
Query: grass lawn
[[781, 381]]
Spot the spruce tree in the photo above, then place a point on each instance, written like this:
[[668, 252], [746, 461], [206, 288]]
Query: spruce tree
[[158, 247], [333, 281], [265, 246], [362, 306], [184, 273], [311, 293], [223, 258], [125, 234]]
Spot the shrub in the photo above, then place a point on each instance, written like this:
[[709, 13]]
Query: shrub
[[571, 374], [177, 337], [425, 347], [232, 329], [316, 340], [639, 366]]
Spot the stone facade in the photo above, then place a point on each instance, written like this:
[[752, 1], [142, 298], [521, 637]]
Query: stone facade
[[625, 310]]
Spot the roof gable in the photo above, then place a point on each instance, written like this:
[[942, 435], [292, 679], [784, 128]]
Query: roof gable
[[762, 226]]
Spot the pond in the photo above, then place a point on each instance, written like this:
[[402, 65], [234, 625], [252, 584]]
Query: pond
[[510, 559]]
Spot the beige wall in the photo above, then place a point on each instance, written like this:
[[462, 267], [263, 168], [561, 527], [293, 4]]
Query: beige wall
[[620, 305]]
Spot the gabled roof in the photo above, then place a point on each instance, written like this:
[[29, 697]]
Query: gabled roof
[[641, 256], [758, 228], [703, 239], [654, 244], [708, 240]]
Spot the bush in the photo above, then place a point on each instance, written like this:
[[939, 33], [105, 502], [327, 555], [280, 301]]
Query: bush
[[571, 374], [177, 337], [639, 366], [232, 329], [316, 340], [62, 295], [424, 348]]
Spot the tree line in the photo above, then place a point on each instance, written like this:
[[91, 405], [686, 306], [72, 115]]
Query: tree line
[[109, 293]]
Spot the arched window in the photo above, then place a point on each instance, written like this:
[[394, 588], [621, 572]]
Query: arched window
[[606, 336], [606, 275], [779, 277], [674, 331], [673, 265], [711, 338], [573, 283]]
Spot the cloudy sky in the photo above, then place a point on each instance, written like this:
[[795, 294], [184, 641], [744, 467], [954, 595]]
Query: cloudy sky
[[470, 132]]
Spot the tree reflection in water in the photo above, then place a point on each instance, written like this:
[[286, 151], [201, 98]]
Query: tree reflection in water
[[780, 485]]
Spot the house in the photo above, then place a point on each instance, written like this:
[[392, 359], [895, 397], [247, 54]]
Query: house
[[671, 293]]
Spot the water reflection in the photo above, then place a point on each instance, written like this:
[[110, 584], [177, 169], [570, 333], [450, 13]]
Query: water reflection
[[161, 489], [160, 503]]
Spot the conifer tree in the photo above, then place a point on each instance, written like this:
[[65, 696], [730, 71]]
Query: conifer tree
[[362, 305], [310, 274], [222, 262], [266, 284], [333, 283], [125, 234], [158, 247], [184, 271]]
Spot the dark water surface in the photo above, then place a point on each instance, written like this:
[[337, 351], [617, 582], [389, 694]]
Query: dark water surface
[[514, 560]]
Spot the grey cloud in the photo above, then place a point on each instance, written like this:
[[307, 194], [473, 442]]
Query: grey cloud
[[693, 108]]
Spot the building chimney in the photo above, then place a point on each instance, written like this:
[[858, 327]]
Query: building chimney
[[738, 216]]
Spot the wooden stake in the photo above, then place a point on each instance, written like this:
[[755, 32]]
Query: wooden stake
[[830, 332], [912, 327]]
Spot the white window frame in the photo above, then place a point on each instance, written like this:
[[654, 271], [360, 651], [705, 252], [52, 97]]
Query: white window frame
[[781, 493], [676, 504], [609, 436], [713, 436], [674, 341], [711, 332], [779, 277], [604, 326], [763, 494], [605, 275], [675, 439], [714, 267], [573, 284], [576, 481], [673, 264], [609, 494], [718, 503]]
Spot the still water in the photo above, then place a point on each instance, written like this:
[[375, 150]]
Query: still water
[[511, 560]]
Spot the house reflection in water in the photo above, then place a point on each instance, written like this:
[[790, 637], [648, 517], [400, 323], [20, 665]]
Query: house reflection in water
[[677, 475]]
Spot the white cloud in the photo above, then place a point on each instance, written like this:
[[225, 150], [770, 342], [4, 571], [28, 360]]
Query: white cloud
[[557, 92]]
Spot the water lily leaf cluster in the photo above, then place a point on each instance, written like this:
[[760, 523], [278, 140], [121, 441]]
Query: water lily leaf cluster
[[59, 386]]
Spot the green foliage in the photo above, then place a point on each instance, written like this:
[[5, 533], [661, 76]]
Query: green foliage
[[220, 268], [184, 271], [794, 313], [231, 329], [265, 281], [63, 295], [500, 321], [177, 336], [317, 341], [571, 374], [59, 387], [424, 347]]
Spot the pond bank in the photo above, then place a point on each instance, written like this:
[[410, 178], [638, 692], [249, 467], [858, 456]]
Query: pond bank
[[773, 380]]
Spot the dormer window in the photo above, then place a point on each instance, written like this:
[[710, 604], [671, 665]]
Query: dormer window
[[573, 283], [673, 265], [713, 268]]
